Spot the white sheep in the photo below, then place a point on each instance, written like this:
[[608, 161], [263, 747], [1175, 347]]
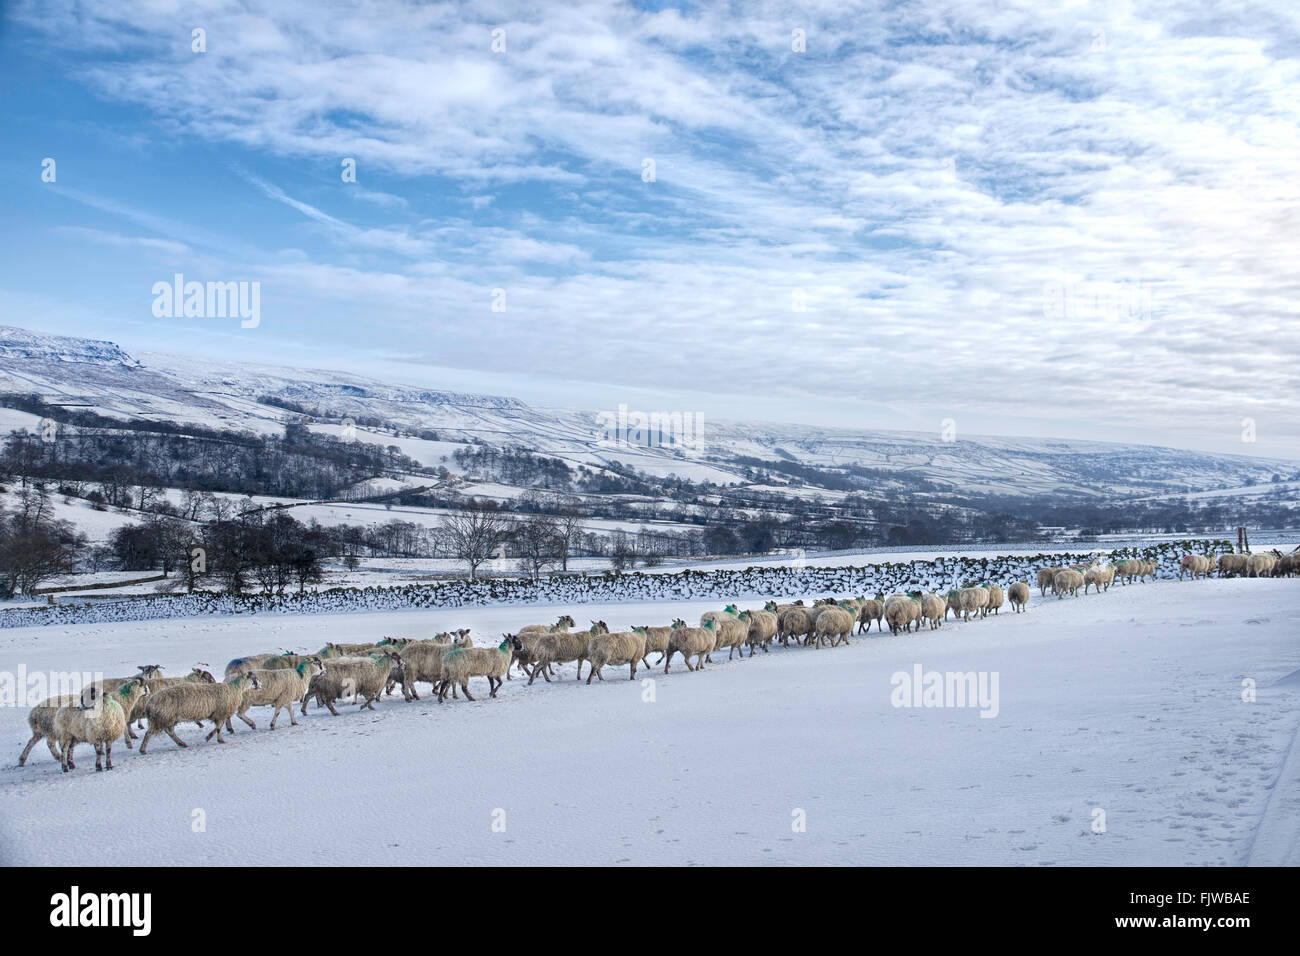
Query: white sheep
[[356, 676], [731, 633], [691, 642], [422, 660], [1066, 581], [833, 624], [98, 719], [933, 609], [626, 647], [656, 639], [278, 688], [1018, 595], [461, 663], [40, 719], [560, 647], [196, 702], [1099, 576]]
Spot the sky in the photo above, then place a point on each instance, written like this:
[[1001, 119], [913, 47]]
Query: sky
[[1077, 220]]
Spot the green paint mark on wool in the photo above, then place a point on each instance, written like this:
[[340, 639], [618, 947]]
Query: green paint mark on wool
[[708, 625], [455, 652]]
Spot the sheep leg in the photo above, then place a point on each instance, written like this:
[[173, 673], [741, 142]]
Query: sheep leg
[[170, 733], [699, 661], [216, 730], [108, 755], [67, 761], [245, 718], [632, 676], [22, 758], [330, 705], [145, 743], [669, 661], [465, 688]]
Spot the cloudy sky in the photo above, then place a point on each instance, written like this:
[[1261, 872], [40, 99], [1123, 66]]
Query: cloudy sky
[[1077, 220]]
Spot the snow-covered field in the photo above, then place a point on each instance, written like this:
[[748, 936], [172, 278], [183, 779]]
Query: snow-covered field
[[1129, 703]]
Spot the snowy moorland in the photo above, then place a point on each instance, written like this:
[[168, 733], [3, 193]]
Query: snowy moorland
[[1124, 708]]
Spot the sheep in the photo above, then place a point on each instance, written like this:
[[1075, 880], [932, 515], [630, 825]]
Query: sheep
[[526, 653], [461, 663], [900, 614], [254, 662], [196, 702], [400, 644], [1045, 578], [656, 639], [690, 642], [422, 660], [974, 600], [762, 628], [779, 609], [833, 624], [197, 675], [1257, 565], [358, 676], [1099, 576], [1018, 595], [1233, 565], [627, 647], [1199, 566], [560, 648], [529, 634], [953, 598], [1067, 581], [727, 613], [933, 609], [872, 610], [731, 633], [996, 598], [278, 688], [41, 721], [97, 719], [794, 622], [333, 650]]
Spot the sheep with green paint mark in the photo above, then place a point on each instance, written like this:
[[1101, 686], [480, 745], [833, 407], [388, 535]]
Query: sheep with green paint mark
[[461, 663], [422, 660], [691, 642], [278, 688], [656, 639], [98, 718]]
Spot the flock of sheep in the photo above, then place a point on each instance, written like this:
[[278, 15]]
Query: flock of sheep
[[106, 710]]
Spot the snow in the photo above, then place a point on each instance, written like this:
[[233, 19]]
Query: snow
[[1130, 702]]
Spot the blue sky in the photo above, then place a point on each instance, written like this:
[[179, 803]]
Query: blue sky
[[1075, 220]]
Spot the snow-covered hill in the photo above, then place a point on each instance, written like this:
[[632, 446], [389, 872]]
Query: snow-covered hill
[[101, 377]]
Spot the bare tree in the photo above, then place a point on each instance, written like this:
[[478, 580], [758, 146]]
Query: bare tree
[[568, 528], [474, 534], [539, 540]]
